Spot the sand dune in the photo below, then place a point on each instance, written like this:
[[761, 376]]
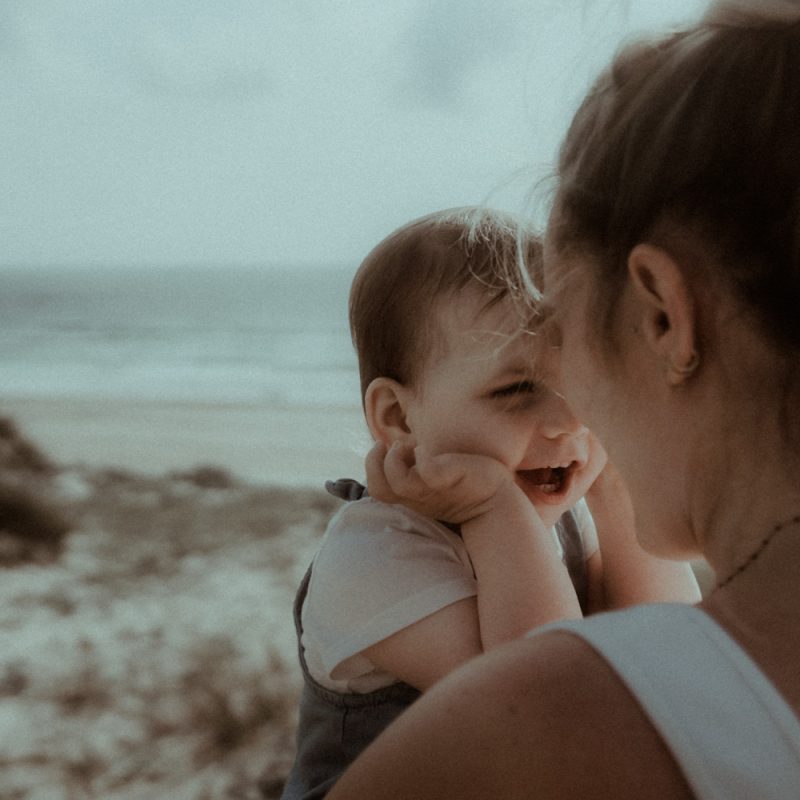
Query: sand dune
[[155, 656]]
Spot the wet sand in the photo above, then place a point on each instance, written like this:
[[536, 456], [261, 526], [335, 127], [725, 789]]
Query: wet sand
[[262, 443]]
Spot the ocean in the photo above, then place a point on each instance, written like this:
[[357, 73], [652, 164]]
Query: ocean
[[226, 335]]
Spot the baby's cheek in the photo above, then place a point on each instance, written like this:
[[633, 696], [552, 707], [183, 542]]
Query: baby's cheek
[[471, 438], [597, 455]]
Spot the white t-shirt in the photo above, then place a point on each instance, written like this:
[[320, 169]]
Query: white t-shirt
[[379, 569]]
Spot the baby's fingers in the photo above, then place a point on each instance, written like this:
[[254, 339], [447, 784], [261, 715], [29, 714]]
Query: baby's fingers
[[377, 484], [442, 471], [402, 475]]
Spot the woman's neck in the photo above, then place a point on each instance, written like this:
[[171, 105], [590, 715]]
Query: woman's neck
[[755, 517]]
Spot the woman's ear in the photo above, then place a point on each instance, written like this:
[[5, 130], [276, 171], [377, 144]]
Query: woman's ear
[[385, 405], [665, 310]]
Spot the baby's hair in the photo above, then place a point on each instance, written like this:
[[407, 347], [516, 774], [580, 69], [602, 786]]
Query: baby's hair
[[399, 283], [692, 142]]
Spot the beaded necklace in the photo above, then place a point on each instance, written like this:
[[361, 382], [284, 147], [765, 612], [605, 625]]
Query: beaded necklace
[[776, 529]]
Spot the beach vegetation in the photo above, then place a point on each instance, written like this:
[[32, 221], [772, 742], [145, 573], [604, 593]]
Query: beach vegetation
[[156, 655]]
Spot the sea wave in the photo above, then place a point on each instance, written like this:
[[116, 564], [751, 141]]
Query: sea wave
[[246, 336]]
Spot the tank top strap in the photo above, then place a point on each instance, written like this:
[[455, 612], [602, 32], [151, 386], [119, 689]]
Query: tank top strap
[[728, 727]]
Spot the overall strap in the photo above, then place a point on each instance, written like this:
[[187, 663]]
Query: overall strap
[[729, 729], [346, 489], [569, 536]]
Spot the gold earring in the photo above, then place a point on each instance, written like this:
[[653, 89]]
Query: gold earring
[[678, 373]]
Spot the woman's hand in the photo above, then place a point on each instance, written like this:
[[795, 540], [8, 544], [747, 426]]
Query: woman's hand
[[453, 487]]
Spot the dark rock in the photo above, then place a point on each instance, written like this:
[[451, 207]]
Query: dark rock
[[30, 530], [17, 454]]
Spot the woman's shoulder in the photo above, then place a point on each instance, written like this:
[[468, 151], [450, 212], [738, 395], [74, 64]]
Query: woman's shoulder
[[590, 736], [627, 697]]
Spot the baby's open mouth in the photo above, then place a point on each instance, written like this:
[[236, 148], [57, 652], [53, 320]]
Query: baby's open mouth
[[552, 482]]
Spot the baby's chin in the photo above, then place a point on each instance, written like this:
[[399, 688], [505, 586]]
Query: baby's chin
[[549, 512]]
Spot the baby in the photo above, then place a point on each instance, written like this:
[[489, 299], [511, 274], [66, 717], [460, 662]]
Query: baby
[[394, 599]]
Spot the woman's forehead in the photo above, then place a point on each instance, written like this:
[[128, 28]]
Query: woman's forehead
[[561, 270]]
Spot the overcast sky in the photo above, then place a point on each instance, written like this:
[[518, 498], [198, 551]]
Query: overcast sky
[[280, 131]]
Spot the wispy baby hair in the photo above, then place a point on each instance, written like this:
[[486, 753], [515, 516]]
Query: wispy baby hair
[[399, 283]]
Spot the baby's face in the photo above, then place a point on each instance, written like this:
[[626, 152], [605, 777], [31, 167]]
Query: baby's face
[[480, 394]]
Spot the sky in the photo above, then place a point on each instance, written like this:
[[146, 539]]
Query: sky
[[281, 132]]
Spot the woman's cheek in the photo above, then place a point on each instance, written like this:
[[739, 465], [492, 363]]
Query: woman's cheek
[[578, 387]]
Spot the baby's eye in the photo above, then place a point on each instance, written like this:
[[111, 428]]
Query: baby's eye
[[518, 388]]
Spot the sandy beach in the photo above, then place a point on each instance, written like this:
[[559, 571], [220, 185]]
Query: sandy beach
[[265, 444], [151, 651]]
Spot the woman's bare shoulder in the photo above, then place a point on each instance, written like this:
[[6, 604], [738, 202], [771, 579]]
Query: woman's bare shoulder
[[545, 712]]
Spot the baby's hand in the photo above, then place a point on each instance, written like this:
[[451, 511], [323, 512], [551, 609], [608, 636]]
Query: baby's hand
[[608, 488], [452, 487]]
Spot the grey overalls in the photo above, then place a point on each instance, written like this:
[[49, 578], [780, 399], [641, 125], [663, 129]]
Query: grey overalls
[[334, 728]]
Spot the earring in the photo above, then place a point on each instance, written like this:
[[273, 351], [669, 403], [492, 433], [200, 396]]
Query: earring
[[678, 373]]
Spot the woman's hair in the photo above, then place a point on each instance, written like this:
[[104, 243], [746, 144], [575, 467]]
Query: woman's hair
[[399, 283], [692, 142]]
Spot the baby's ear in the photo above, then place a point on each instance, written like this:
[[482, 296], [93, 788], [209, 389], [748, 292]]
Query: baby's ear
[[385, 405]]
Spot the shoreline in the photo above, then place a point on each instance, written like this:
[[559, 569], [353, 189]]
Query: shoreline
[[257, 442]]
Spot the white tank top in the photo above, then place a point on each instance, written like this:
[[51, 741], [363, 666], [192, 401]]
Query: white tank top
[[727, 726]]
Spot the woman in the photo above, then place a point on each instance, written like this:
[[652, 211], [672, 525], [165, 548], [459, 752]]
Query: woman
[[673, 274]]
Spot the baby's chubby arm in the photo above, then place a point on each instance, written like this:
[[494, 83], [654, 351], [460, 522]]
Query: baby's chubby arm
[[624, 573], [522, 581]]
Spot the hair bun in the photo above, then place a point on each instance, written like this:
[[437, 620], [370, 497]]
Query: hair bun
[[745, 13]]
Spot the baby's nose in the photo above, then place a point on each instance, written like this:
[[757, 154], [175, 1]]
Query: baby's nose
[[562, 422]]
